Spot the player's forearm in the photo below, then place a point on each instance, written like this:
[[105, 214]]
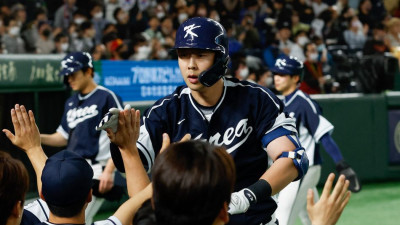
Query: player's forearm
[[276, 178], [127, 211], [136, 176], [110, 167], [55, 140], [38, 159]]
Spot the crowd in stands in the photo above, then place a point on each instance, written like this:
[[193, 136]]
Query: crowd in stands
[[323, 34]]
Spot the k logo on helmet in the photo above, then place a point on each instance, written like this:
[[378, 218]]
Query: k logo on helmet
[[189, 31]]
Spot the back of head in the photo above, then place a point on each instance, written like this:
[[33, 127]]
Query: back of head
[[14, 183], [191, 182], [66, 183], [207, 34]]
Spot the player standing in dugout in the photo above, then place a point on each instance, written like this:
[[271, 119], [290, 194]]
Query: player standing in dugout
[[313, 129], [77, 131], [245, 118]]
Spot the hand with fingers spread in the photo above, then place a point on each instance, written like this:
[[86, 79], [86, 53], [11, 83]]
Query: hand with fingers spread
[[330, 206], [27, 136], [166, 141]]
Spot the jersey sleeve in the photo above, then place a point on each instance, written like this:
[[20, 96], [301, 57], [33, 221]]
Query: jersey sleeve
[[315, 123], [112, 220], [271, 121], [38, 208], [150, 138], [63, 128]]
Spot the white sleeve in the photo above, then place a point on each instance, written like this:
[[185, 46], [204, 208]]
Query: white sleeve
[[324, 127], [39, 208], [112, 220]]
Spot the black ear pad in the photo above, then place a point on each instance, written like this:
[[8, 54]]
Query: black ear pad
[[209, 77]]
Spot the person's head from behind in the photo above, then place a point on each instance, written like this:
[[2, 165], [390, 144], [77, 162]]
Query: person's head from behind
[[202, 48], [288, 73], [14, 183], [192, 184], [66, 184], [77, 69]]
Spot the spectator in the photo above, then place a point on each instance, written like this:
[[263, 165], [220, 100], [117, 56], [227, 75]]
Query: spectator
[[305, 12], [167, 31], [98, 52], [19, 14], [364, 13], [11, 39], [85, 39], [123, 26], [141, 48], [153, 30], [119, 50], [31, 33], [45, 43], [377, 44], [64, 15], [283, 37], [247, 34], [297, 25], [301, 39], [356, 34], [110, 6], [61, 44], [393, 33], [98, 20], [79, 17], [318, 6], [313, 75]]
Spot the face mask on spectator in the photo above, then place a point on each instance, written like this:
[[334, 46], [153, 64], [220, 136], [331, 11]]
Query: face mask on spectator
[[143, 52], [79, 21], [162, 54], [182, 17], [314, 56], [244, 73], [14, 31], [160, 15], [98, 15], [74, 35], [357, 24], [268, 81], [302, 40], [216, 18], [64, 47]]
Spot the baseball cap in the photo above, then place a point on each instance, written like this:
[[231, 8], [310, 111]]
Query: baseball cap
[[75, 61], [66, 179]]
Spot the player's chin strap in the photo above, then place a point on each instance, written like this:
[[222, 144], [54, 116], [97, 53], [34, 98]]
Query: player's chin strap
[[300, 160]]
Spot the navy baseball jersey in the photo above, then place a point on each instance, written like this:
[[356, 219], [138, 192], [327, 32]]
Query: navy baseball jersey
[[245, 120], [310, 124], [79, 120]]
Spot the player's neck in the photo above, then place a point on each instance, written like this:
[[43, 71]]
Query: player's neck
[[289, 91], [89, 88], [79, 219], [209, 96]]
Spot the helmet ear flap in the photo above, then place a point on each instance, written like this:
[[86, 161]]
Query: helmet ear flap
[[218, 70]]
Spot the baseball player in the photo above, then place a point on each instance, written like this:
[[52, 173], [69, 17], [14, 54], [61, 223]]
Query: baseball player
[[243, 117], [83, 111], [313, 129]]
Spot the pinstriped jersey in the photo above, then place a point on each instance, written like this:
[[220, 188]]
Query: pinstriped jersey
[[310, 123], [80, 117], [245, 120]]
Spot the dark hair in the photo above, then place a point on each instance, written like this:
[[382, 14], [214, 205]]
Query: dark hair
[[59, 36], [145, 215], [14, 183], [191, 182], [67, 211]]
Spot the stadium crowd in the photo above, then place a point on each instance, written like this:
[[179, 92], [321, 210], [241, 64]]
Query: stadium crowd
[[329, 36]]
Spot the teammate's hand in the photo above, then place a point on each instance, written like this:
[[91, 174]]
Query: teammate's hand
[[241, 201], [330, 206], [27, 136], [343, 168], [128, 130], [106, 182], [167, 141]]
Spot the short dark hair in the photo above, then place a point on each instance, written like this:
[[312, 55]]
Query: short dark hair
[[191, 182], [14, 183], [67, 211]]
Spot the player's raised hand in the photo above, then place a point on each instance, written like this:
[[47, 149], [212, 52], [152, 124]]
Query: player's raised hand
[[128, 129], [27, 136], [330, 206], [167, 141]]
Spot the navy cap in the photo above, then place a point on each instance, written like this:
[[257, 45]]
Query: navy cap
[[66, 179], [287, 65], [75, 61]]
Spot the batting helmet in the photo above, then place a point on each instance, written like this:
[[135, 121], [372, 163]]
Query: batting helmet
[[75, 61], [288, 65], [205, 33]]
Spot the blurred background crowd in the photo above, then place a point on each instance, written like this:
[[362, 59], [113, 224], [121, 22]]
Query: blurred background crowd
[[346, 45]]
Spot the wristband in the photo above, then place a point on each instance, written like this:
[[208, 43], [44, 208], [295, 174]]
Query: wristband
[[261, 189]]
